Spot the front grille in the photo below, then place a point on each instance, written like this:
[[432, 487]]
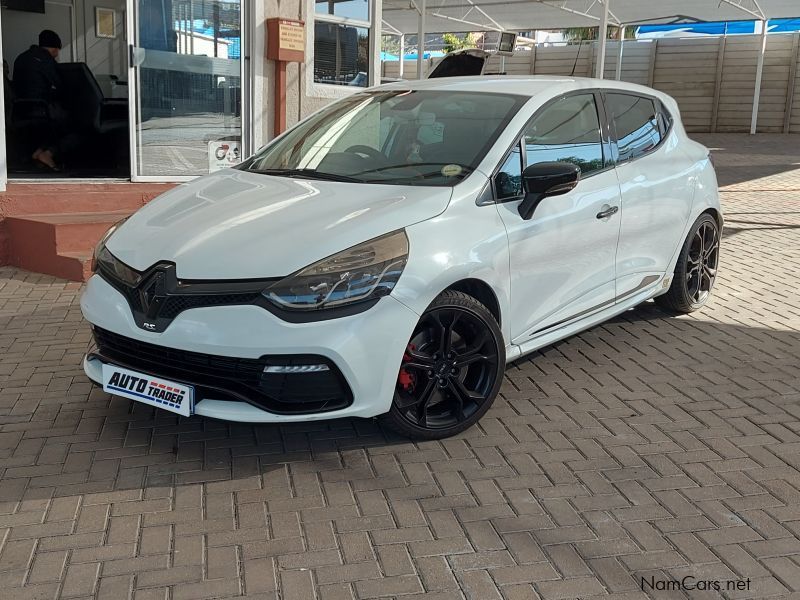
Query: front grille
[[224, 377], [160, 296], [176, 304]]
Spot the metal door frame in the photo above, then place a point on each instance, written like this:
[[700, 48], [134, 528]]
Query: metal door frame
[[3, 157], [134, 98]]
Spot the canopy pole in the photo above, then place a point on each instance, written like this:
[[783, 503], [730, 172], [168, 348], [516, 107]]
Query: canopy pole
[[402, 54], [619, 55], [601, 35], [759, 72], [421, 40]]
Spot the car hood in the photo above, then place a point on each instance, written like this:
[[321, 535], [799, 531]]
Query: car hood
[[238, 225]]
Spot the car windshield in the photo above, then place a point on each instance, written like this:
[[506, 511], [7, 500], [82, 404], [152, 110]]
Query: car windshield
[[408, 137]]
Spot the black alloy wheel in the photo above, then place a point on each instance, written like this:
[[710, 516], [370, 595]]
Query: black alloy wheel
[[696, 269], [451, 371], [702, 259]]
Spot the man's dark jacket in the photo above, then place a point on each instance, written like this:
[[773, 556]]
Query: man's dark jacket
[[36, 75]]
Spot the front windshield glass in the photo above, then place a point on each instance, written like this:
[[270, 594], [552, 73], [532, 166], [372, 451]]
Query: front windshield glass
[[419, 137]]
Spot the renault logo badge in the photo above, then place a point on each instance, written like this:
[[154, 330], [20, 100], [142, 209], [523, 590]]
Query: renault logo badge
[[152, 295]]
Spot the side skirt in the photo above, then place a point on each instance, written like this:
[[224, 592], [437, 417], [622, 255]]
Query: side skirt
[[569, 329]]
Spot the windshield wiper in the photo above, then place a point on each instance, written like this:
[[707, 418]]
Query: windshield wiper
[[307, 174], [465, 170]]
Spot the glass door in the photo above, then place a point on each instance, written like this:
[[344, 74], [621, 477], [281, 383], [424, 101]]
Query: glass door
[[186, 97]]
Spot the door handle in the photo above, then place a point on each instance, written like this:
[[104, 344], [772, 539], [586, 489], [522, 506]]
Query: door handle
[[611, 210]]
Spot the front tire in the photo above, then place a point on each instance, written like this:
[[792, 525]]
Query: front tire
[[696, 269], [451, 371]]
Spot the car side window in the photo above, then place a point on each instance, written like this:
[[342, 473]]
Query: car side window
[[567, 130], [637, 124], [664, 120], [508, 181]]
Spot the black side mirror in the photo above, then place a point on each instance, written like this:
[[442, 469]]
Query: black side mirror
[[546, 179]]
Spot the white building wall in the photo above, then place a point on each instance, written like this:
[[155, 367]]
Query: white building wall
[[303, 96], [104, 56]]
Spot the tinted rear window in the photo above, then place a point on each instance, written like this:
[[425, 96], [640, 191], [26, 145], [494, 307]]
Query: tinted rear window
[[637, 124]]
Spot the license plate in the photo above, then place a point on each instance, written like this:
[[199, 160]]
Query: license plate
[[161, 393]]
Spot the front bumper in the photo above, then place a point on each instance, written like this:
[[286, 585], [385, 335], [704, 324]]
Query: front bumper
[[365, 349]]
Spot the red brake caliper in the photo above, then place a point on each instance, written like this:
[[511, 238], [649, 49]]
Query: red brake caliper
[[405, 378]]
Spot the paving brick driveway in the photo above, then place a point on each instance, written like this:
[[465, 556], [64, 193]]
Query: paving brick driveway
[[649, 447]]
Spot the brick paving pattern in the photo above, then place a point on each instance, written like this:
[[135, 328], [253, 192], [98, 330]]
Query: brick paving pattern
[[649, 447]]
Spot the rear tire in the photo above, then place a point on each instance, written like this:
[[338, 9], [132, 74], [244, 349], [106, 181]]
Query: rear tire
[[451, 371], [696, 269]]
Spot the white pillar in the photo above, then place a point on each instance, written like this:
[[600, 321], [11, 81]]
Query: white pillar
[[3, 163], [375, 37], [421, 40], [619, 55], [759, 71], [601, 36], [402, 53]]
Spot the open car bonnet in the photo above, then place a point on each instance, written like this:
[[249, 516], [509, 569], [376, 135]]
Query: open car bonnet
[[470, 61]]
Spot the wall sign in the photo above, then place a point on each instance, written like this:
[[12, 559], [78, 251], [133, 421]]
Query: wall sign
[[286, 40], [105, 22], [223, 154], [292, 36]]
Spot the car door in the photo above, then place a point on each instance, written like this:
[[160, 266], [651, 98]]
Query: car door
[[656, 189], [562, 259]]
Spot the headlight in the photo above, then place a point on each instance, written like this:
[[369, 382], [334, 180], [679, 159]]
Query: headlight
[[108, 263], [102, 243], [104, 260], [364, 272]]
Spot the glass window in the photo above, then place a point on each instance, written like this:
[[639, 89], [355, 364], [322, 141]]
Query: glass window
[[568, 130], [421, 137], [636, 122], [508, 181], [664, 120], [341, 54], [188, 57], [350, 9]]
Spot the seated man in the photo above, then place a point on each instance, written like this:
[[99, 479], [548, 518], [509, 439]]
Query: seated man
[[36, 78]]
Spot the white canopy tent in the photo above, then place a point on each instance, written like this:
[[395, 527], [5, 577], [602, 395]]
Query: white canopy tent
[[402, 16], [421, 17]]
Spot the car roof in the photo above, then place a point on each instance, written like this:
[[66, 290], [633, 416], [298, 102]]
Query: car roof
[[525, 85]]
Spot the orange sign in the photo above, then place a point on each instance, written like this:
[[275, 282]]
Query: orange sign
[[286, 40]]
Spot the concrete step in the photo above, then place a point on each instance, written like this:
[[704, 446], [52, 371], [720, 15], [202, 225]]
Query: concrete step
[[59, 244], [56, 198], [76, 266], [72, 231], [58, 218]]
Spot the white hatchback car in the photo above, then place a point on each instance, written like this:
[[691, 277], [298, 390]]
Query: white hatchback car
[[392, 252]]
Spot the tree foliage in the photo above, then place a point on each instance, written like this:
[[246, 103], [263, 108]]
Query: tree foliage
[[390, 44], [574, 34], [452, 42]]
